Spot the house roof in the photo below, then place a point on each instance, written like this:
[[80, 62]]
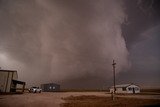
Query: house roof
[[2, 70], [121, 85], [18, 82], [50, 84]]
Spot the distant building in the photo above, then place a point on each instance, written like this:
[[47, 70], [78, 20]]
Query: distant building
[[125, 88], [9, 81], [50, 87]]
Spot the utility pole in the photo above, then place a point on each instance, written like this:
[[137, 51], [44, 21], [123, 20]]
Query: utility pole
[[114, 81]]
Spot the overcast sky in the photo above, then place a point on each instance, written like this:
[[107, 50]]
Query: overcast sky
[[73, 42]]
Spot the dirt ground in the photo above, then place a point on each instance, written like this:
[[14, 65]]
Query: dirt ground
[[51, 99], [44, 99], [101, 101]]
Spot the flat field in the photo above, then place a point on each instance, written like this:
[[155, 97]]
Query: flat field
[[100, 101], [77, 99]]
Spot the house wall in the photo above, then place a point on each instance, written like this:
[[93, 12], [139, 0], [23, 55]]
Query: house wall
[[15, 76], [3, 81], [129, 89], [6, 80], [9, 81], [120, 90], [111, 90]]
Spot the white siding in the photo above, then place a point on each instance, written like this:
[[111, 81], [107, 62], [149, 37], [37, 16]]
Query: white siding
[[120, 90]]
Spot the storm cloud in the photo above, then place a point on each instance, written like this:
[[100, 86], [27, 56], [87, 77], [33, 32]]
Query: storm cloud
[[60, 40], [73, 42]]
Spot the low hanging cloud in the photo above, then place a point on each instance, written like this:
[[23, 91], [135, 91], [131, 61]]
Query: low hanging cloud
[[56, 41]]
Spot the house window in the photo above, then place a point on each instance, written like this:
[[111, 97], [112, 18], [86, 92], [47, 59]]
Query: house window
[[129, 89], [124, 88], [50, 87], [54, 88], [136, 88]]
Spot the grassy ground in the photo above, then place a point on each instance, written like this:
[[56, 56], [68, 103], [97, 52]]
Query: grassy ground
[[96, 101], [151, 90]]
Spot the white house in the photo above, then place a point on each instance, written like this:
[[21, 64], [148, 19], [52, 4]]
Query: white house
[[125, 88]]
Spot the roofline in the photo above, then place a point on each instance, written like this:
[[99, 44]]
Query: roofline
[[19, 82], [50, 83], [124, 86], [2, 70]]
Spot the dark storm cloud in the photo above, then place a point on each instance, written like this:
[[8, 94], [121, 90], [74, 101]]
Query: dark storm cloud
[[59, 41], [145, 57], [142, 15], [141, 33]]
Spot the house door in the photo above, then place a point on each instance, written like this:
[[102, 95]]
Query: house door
[[133, 90]]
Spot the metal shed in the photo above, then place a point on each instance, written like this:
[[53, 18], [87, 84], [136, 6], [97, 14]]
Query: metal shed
[[9, 81], [50, 87]]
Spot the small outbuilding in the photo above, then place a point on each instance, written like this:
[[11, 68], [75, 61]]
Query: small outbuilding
[[9, 81], [50, 87], [125, 88]]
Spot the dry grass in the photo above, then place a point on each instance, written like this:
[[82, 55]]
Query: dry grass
[[96, 101], [151, 90]]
